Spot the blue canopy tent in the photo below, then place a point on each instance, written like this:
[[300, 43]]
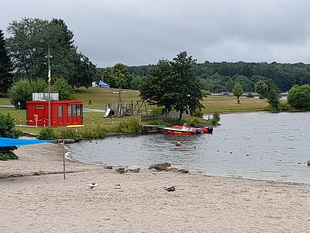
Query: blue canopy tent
[[6, 142], [103, 84]]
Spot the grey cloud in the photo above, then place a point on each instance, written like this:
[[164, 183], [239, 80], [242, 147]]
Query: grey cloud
[[138, 32]]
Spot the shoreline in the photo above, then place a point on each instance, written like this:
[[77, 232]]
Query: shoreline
[[36, 198]]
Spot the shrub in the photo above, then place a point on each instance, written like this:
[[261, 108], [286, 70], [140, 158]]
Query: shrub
[[61, 86], [22, 91], [89, 133], [250, 95], [285, 107], [158, 110], [131, 125], [205, 93], [215, 119], [195, 121], [69, 133], [7, 155], [93, 133], [299, 97], [46, 134], [197, 113], [7, 130]]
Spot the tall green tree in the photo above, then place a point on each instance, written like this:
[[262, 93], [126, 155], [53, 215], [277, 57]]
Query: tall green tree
[[61, 86], [237, 91], [156, 88], [262, 89], [28, 47], [188, 86], [29, 44], [84, 72], [117, 76], [6, 67], [273, 100], [22, 91], [172, 84]]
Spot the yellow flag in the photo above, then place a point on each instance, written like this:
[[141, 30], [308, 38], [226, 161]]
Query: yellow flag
[[49, 77]]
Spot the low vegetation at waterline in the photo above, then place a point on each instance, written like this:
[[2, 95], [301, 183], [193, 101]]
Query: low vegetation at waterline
[[132, 125], [90, 133], [126, 125]]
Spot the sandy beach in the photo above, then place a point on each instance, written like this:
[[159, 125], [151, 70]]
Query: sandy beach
[[35, 197]]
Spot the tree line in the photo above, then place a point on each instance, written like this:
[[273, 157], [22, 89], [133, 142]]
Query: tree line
[[221, 76]]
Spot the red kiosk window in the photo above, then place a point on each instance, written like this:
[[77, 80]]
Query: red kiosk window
[[60, 111]]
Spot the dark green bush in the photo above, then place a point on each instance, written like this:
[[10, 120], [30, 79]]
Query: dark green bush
[[205, 93], [197, 113], [158, 110], [46, 134], [285, 107], [90, 133], [132, 125], [215, 119], [250, 95], [7, 130], [195, 121], [93, 133], [7, 155]]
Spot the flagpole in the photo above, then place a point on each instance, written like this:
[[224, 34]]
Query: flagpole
[[49, 84]]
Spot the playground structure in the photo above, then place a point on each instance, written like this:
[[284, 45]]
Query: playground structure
[[120, 109]]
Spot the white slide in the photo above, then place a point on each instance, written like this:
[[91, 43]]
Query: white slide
[[107, 112]]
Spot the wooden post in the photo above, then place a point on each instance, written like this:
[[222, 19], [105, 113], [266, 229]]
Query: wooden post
[[64, 159]]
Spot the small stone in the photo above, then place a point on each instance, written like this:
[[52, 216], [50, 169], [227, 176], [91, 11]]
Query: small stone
[[160, 166], [120, 170], [134, 169], [178, 169]]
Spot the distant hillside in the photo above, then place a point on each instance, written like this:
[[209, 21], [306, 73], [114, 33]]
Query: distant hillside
[[283, 75]]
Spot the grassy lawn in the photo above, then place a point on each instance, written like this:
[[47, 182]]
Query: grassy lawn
[[101, 96], [5, 101], [222, 104]]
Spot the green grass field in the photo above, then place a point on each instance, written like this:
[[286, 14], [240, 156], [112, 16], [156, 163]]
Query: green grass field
[[101, 96]]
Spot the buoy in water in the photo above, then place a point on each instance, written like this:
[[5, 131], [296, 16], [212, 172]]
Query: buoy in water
[[308, 162], [178, 143]]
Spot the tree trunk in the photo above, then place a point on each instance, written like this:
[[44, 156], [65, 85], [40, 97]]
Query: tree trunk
[[180, 116]]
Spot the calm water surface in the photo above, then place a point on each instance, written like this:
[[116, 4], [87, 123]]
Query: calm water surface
[[258, 145]]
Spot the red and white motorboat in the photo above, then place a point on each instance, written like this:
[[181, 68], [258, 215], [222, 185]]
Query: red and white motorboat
[[179, 131], [187, 130], [201, 129]]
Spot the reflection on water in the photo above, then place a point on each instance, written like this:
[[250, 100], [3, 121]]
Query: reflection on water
[[250, 145]]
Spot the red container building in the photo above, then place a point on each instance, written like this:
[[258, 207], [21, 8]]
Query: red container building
[[62, 113]]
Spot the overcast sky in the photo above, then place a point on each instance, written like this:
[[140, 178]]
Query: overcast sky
[[141, 32]]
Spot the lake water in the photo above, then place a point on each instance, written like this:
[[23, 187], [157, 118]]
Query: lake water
[[260, 145]]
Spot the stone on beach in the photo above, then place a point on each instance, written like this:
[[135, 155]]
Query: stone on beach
[[167, 167], [120, 170], [133, 169]]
